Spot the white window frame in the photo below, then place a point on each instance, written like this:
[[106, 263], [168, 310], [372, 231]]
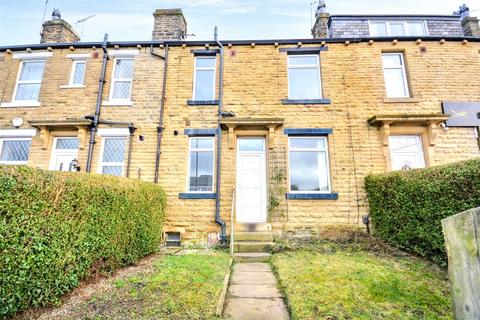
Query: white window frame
[[306, 66], [404, 73], [404, 24], [18, 82], [3, 139], [112, 82], [72, 73], [290, 149], [190, 149], [204, 69], [101, 164]]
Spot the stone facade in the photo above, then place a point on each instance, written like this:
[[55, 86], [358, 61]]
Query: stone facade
[[169, 24], [58, 31], [255, 82]]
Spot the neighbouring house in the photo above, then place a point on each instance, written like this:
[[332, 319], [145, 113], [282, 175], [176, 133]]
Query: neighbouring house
[[291, 125]]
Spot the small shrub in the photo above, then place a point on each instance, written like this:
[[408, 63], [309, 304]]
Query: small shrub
[[407, 207], [59, 228]]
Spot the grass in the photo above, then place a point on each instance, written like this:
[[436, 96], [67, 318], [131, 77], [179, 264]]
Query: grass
[[177, 287], [338, 281]]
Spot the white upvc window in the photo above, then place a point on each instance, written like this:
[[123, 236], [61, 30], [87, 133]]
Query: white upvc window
[[204, 78], [200, 164], [112, 155], [27, 88], [14, 150], [406, 152], [77, 75], [304, 81], [397, 28], [396, 83], [122, 76], [309, 165]]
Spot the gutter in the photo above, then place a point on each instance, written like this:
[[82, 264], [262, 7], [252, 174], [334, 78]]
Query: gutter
[[162, 107], [96, 116], [218, 219]]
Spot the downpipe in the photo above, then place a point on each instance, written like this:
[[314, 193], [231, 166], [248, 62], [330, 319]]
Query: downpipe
[[162, 108]]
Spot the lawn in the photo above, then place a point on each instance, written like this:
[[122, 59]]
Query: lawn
[[330, 281], [169, 287]]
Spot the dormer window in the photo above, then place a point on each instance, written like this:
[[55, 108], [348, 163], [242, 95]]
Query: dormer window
[[397, 28]]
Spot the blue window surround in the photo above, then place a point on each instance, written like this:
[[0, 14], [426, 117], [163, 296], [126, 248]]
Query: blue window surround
[[196, 195], [306, 101], [308, 131], [205, 52], [200, 132], [313, 196], [305, 50], [202, 102]]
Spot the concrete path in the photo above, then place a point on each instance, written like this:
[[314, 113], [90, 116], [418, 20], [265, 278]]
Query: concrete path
[[253, 294]]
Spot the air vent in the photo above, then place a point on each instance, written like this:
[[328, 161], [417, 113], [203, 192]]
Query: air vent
[[173, 239]]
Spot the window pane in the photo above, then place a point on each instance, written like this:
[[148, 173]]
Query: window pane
[[396, 29], [79, 73], [204, 85], [304, 83], [415, 29], [392, 60], [67, 143], [201, 171], [205, 62], [15, 150], [307, 142], [308, 171], [202, 143], [250, 144], [379, 29], [121, 90], [124, 68], [395, 84], [27, 91], [112, 170], [114, 150], [32, 71], [302, 60]]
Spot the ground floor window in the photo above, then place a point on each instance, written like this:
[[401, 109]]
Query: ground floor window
[[200, 164], [308, 164], [113, 156], [14, 150], [406, 152]]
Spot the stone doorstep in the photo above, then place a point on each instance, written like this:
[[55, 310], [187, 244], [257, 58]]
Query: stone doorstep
[[252, 246], [248, 257], [253, 236], [254, 309], [254, 291], [253, 278], [251, 267]]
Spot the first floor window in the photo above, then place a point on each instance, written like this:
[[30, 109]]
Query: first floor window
[[113, 156], [304, 77], [78, 73], [406, 152], [14, 150], [397, 28], [204, 78], [396, 82], [29, 80], [122, 79], [309, 169], [200, 166]]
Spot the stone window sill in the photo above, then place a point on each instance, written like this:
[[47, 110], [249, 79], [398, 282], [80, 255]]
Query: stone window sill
[[313, 196], [77, 86], [401, 100], [306, 101], [197, 195], [202, 102], [20, 104], [119, 103]]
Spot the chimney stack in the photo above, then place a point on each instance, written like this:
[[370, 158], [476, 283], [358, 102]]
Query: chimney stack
[[320, 28], [169, 24], [470, 25], [58, 30]]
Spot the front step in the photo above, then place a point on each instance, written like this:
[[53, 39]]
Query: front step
[[252, 257], [252, 246], [253, 227], [253, 236]]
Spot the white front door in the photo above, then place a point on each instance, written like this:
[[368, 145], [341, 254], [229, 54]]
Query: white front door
[[406, 152], [251, 180], [64, 151]]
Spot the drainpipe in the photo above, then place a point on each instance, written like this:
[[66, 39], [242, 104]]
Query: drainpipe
[[162, 107], [131, 129], [218, 220], [96, 116]]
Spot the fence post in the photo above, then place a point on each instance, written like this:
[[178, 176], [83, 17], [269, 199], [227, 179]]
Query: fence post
[[462, 239]]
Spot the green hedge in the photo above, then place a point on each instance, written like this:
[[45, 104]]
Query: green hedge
[[59, 228], [407, 207]]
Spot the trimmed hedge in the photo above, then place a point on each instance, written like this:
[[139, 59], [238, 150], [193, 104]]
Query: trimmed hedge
[[59, 228], [406, 207]]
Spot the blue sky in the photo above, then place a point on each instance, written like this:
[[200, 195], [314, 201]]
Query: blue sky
[[20, 20]]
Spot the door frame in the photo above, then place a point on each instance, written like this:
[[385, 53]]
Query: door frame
[[264, 184], [55, 152]]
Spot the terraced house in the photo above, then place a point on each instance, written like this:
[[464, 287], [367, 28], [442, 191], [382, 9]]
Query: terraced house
[[281, 133]]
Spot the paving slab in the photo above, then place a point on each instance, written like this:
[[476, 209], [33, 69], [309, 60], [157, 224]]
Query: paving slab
[[252, 267], [255, 309], [251, 277], [254, 291]]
